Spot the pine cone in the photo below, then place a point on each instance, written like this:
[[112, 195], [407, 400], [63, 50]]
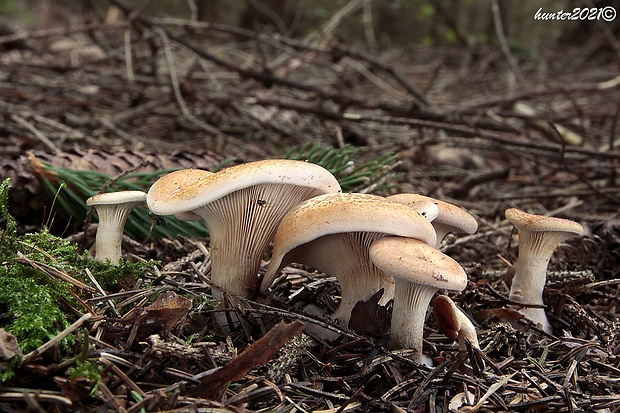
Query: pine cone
[[28, 200]]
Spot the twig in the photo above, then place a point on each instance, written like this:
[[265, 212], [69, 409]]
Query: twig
[[36, 132], [38, 394], [102, 292], [128, 55], [175, 85], [369, 32], [273, 16], [60, 31], [351, 7], [51, 271], [499, 30]]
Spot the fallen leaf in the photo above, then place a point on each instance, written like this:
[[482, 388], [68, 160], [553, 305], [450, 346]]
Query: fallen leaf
[[9, 347], [159, 317], [509, 315], [257, 354], [368, 318]]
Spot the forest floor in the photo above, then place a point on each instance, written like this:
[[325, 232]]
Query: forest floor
[[149, 95]]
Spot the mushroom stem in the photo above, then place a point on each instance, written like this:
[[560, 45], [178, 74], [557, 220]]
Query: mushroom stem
[[357, 277], [109, 238], [113, 209], [264, 206], [408, 331], [539, 236], [528, 284]]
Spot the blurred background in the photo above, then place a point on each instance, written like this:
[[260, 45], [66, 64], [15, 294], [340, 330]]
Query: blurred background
[[372, 24]]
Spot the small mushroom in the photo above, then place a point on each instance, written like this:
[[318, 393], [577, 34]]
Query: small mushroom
[[113, 209], [332, 233], [539, 236], [453, 323], [419, 271], [450, 218], [241, 206]]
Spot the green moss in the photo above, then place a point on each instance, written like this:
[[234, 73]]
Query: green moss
[[88, 368], [8, 234], [110, 277], [34, 304], [32, 312]]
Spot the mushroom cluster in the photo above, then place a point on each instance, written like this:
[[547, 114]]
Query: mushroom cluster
[[387, 247]]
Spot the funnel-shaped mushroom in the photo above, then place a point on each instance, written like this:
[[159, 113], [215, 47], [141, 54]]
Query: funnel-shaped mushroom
[[419, 270], [453, 323], [332, 233], [113, 209], [539, 236], [450, 218], [242, 207]]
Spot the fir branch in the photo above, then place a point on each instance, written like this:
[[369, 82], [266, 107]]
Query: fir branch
[[375, 175]]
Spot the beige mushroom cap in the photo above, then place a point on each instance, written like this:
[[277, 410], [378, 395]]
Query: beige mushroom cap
[[190, 189], [116, 198], [450, 218], [539, 223], [424, 205], [343, 213], [417, 262], [241, 207]]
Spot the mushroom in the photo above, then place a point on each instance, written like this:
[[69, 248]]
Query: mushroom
[[332, 234], [241, 206], [539, 236], [450, 217], [113, 209], [419, 271], [453, 323]]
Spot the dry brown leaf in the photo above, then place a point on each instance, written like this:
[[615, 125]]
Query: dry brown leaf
[[257, 354]]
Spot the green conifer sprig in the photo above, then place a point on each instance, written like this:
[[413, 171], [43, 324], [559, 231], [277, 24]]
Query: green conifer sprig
[[354, 176]]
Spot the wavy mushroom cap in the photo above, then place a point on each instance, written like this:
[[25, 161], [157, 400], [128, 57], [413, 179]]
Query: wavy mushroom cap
[[450, 218], [540, 235], [453, 323], [189, 189], [343, 213], [540, 223]]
